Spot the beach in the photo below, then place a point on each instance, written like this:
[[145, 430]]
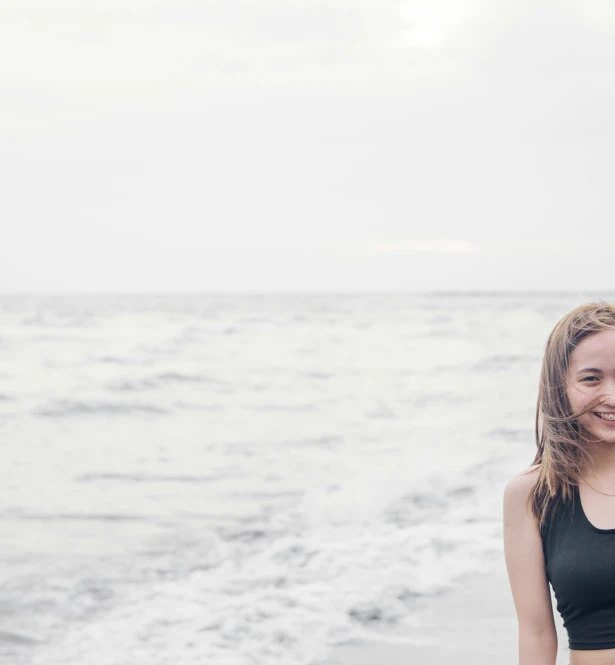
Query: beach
[[263, 480], [472, 623]]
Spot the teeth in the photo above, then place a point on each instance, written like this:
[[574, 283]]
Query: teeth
[[606, 416]]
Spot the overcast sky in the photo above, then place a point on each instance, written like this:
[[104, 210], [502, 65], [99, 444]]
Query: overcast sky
[[287, 145]]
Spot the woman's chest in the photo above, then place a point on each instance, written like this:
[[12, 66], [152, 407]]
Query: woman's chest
[[598, 510]]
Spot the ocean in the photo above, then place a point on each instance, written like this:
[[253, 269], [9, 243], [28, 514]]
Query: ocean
[[253, 479]]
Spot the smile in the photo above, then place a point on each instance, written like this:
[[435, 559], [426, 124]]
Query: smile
[[605, 416]]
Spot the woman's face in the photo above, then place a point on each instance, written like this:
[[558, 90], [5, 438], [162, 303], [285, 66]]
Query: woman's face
[[591, 373]]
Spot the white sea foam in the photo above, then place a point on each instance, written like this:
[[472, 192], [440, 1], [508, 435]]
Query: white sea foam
[[252, 480]]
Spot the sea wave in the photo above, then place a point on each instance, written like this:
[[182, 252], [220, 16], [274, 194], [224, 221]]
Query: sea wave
[[72, 408]]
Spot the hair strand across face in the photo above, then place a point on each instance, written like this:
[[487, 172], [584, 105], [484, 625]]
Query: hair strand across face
[[561, 441]]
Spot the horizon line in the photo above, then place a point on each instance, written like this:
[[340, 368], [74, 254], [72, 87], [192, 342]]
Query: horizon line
[[304, 292]]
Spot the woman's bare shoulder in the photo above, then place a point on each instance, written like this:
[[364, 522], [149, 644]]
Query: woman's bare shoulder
[[521, 484]]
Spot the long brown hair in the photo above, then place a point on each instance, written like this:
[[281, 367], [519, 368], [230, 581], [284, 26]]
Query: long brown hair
[[561, 441]]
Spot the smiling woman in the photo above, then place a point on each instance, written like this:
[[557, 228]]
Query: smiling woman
[[543, 542]]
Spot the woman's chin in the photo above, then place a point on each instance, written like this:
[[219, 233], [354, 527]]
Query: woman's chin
[[593, 432], [599, 435]]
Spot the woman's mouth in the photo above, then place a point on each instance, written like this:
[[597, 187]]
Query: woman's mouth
[[608, 418]]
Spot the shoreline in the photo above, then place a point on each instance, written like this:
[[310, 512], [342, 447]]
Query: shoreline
[[473, 622]]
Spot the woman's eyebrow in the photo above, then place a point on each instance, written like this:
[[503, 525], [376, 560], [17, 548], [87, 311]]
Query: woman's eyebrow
[[590, 369]]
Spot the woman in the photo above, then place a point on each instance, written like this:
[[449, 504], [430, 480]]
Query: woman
[[559, 514]]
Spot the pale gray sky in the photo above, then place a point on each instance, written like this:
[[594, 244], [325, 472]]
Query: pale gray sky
[[281, 145]]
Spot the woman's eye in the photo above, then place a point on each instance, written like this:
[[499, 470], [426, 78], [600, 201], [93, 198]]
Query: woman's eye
[[590, 377]]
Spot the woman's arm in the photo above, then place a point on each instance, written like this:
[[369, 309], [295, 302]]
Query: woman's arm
[[526, 572]]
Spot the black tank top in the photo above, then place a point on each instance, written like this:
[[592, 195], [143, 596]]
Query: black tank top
[[580, 565]]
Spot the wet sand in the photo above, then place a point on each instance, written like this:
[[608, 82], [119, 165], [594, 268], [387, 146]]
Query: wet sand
[[473, 623]]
